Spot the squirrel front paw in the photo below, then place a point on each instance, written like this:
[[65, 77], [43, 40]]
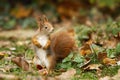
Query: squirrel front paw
[[36, 43], [47, 44]]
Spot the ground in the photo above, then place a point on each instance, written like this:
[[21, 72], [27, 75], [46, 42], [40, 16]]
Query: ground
[[98, 55]]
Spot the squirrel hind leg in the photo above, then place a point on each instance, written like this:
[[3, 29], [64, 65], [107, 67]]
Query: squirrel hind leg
[[52, 63]]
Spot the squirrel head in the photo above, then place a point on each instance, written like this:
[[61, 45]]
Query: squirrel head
[[43, 25]]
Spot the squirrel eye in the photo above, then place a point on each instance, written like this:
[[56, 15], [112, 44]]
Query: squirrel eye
[[45, 27]]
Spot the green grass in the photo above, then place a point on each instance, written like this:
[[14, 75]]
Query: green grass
[[110, 70]]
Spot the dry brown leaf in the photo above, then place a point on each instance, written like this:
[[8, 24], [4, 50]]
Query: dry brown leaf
[[109, 61], [21, 12], [102, 55], [86, 63], [1, 55], [66, 75], [85, 49], [67, 11], [111, 43], [21, 63], [93, 67]]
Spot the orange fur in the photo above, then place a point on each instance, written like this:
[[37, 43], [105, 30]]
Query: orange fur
[[35, 42], [62, 43]]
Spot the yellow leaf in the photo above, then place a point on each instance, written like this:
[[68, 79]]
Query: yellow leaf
[[109, 61], [85, 50], [1, 55], [93, 67], [21, 12]]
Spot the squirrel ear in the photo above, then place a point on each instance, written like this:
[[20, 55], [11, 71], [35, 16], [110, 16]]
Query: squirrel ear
[[44, 18], [39, 21]]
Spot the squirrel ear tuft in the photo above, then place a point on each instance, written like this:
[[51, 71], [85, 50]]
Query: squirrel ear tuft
[[44, 18], [41, 20]]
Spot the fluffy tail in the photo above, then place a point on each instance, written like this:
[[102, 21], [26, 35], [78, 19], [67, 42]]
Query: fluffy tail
[[62, 43]]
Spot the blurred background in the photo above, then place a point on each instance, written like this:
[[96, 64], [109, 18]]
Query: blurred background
[[17, 14]]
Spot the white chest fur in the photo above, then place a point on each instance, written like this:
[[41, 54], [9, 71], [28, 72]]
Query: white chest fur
[[41, 53], [43, 40], [42, 57]]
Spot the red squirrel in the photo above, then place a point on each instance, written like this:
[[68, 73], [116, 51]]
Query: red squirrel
[[51, 46]]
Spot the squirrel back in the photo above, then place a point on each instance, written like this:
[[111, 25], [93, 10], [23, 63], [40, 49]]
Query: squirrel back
[[62, 43]]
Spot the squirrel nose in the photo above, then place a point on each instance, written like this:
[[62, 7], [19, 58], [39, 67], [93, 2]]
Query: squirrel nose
[[52, 30]]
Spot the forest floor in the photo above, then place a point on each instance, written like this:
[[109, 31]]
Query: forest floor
[[98, 58]]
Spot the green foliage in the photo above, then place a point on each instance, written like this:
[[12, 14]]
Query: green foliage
[[67, 59], [118, 49], [105, 3], [112, 28], [111, 53], [86, 76], [29, 23], [74, 60], [82, 31], [110, 71], [89, 75], [8, 23], [15, 70], [96, 49]]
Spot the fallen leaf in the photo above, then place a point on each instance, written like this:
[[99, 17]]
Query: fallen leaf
[[87, 61], [109, 61], [110, 43], [93, 67], [66, 75], [1, 55], [21, 63], [20, 11], [102, 55], [85, 50]]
